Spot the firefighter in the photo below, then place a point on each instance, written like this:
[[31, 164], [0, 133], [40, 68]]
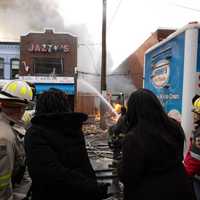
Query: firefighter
[[116, 135], [117, 132], [192, 158], [14, 97]]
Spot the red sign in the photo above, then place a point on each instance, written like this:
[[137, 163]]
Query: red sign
[[49, 48]]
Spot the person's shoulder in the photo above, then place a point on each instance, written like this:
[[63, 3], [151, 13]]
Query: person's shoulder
[[6, 132], [176, 125], [130, 137], [33, 131]]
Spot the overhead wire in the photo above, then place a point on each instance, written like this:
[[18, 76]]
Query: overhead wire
[[186, 7], [114, 15]]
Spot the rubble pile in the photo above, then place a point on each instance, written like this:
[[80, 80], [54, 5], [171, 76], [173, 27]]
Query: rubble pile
[[101, 156], [90, 129]]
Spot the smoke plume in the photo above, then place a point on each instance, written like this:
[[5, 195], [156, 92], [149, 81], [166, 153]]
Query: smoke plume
[[21, 16]]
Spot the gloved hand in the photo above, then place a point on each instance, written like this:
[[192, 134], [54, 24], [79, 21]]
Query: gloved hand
[[103, 188]]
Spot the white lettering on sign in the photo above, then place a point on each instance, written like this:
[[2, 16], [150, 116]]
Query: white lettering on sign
[[169, 96], [49, 48], [47, 79]]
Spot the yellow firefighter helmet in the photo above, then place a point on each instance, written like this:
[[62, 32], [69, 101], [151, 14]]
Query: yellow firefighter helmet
[[16, 90], [196, 105]]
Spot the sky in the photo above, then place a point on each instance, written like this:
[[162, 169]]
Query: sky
[[129, 22]]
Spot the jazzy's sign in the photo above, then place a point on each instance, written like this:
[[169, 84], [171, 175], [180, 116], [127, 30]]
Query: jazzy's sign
[[49, 48]]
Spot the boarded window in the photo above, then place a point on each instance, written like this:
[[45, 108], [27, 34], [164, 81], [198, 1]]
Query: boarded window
[[48, 66]]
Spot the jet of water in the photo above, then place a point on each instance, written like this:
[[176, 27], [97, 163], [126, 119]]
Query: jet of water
[[93, 89]]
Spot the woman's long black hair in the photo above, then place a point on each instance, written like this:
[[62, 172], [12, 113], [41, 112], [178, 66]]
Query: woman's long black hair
[[146, 114], [52, 101]]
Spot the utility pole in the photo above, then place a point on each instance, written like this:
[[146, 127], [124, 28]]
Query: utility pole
[[103, 67]]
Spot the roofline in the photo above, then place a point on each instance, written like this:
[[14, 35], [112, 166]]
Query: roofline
[[173, 35], [48, 28], [11, 43]]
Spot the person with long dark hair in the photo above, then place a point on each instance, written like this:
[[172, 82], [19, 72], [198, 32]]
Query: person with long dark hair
[[151, 166], [56, 154]]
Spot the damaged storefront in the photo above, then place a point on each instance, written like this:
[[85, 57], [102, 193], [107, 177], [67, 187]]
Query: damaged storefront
[[49, 60]]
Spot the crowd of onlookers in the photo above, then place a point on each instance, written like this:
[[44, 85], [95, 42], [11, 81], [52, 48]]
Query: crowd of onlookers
[[47, 158]]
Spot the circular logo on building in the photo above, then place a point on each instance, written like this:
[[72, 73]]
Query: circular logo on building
[[160, 73]]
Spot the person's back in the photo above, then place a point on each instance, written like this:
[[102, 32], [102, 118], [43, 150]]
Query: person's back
[[152, 153], [56, 155]]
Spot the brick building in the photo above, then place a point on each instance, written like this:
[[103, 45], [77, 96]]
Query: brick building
[[136, 60], [134, 64], [49, 60], [48, 53]]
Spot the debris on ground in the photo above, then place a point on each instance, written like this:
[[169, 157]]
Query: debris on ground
[[101, 157]]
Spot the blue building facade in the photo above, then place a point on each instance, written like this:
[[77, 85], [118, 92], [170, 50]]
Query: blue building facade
[[9, 60]]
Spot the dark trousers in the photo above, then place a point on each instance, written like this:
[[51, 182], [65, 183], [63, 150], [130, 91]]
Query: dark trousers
[[196, 184]]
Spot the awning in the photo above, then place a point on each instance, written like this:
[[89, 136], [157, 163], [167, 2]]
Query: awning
[[68, 88]]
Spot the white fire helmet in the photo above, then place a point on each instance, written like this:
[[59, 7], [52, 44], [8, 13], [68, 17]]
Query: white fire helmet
[[16, 90]]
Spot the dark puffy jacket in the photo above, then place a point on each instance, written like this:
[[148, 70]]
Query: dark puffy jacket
[[57, 159], [151, 169]]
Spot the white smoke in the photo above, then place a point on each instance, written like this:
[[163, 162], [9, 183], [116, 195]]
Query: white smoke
[[19, 17], [22, 16]]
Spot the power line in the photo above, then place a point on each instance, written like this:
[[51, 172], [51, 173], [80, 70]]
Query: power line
[[91, 53], [119, 74], [186, 7], [88, 73], [115, 13]]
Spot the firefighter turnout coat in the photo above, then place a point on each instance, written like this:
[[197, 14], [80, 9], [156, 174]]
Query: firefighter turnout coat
[[12, 156]]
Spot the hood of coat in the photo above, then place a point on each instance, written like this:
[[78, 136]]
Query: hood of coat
[[64, 121]]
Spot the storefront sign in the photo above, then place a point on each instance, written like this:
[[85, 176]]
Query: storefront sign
[[49, 48], [47, 79]]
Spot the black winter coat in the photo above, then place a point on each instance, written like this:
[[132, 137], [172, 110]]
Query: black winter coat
[[57, 159], [153, 170]]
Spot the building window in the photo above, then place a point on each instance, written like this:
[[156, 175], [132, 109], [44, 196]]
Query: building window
[[14, 68], [1, 68], [48, 66]]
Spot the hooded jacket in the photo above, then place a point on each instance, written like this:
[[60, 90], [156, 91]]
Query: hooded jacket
[[57, 159]]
